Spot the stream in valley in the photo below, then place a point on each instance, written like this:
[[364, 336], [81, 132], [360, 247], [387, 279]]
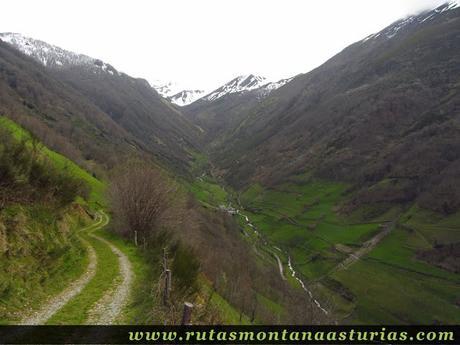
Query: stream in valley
[[271, 248]]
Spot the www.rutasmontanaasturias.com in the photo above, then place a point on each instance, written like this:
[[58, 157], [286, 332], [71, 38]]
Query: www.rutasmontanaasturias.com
[[289, 336]]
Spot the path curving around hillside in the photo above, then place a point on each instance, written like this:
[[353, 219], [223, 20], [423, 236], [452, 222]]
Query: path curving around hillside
[[53, 305], [109, 307]]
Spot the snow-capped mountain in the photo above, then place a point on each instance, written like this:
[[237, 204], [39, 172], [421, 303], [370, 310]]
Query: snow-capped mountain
[[177, 93], [242, 83], [186, 97], [401, 24], [53, 56]]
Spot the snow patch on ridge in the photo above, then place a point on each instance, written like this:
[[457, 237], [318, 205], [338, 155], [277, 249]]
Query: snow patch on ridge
[[242, 83], [53, 56], [186, 97], [399, 25]]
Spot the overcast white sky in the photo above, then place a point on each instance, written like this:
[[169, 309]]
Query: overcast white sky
[[204, 43]]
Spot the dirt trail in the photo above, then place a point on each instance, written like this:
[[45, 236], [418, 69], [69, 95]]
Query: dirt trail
[[56, 303], [366, 247], [109, 307]]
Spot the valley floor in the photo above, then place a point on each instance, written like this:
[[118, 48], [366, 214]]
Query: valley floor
[[359, 271]]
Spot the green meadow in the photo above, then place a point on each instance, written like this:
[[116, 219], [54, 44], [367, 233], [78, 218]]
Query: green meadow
[[389, 284]]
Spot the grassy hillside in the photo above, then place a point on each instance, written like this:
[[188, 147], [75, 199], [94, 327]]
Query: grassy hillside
[[42, 248], [401, 286], [275, 300], [392, 283], [402, 279], [60, 162], [45, 254], [40, 253]]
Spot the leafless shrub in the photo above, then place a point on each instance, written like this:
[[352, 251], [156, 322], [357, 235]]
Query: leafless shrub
[[140, 195]]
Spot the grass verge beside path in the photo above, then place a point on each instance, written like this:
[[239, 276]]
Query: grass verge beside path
[[28, 282], [141, 302], [76, 311]]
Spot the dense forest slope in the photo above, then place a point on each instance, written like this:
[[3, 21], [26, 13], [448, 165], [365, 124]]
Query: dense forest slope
[[104, 114], [382, 114], [222, 110], [216, 117]]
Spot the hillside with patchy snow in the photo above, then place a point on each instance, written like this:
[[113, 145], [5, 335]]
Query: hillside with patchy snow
[[186, 97], [246, 83], [52, 56]]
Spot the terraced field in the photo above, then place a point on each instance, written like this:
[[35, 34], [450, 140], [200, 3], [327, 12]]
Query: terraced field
[[385, 281]]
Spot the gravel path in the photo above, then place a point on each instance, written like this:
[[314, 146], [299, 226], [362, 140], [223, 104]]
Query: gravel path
[[366, 247], [56, 303], [109, 307]]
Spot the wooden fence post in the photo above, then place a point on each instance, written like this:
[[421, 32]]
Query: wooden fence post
[[167, 291], [187, 315]]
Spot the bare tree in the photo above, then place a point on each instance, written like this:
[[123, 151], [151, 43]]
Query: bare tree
[[140, 195]]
